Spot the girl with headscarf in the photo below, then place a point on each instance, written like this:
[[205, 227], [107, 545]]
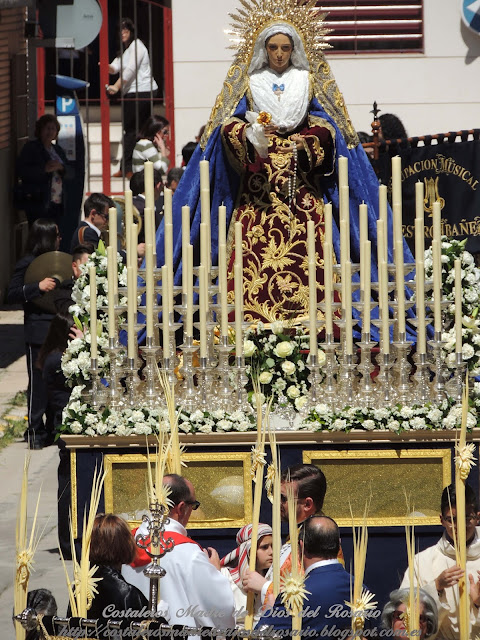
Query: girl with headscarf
[[235, 564]]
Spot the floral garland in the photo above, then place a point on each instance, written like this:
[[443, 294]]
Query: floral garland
[[451, 250], [76, 359], [278, 361]]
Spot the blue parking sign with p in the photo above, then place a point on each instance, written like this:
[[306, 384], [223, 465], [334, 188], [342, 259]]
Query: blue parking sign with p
[[66, 105]]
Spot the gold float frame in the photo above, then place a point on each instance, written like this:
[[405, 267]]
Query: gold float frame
[[110, 460], [443, 456]]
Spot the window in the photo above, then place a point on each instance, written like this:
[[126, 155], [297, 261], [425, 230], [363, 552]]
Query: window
[[369, 26]]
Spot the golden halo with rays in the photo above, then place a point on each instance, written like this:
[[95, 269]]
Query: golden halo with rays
[[256, 15]]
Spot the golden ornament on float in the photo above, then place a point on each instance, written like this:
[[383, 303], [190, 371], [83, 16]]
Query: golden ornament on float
[[264, 118]]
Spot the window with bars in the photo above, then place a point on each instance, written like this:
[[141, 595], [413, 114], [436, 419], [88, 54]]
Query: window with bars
[[374, 26]]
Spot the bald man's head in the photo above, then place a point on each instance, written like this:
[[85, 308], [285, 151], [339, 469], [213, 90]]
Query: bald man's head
[[321, 538]]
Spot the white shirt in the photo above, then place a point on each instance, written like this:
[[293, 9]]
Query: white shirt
[[429, 564], [197, 594], [135, 67]]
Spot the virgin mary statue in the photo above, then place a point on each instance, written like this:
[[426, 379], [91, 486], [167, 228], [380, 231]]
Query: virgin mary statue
[[273, 140]]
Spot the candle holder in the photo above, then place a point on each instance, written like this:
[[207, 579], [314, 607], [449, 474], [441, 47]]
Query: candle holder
[[421, 393], [384, 380], [454, 386], [366, 394], [241, 379], [204, 378], [224, 388], [329, 387], [133, 382], [155, 540], [94, 393], [151, 393], [402, 370], [438, 393], [346, 381], [315, 378], [188, 390], [114, 391]]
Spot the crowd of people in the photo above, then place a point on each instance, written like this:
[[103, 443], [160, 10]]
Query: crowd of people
[[201, 590]]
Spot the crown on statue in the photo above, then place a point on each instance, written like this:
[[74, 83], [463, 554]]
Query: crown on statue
[[257, 15]]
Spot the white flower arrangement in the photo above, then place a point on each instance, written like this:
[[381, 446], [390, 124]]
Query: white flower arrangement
[[76, 360]]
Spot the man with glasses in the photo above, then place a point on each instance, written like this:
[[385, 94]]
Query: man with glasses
[[438, 572], [309, 485], [95, 208], [197, 594]]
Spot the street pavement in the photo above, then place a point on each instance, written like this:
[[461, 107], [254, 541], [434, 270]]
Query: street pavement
[[48, 570]]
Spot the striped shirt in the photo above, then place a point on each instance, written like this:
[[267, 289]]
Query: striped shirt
[[146, 150]]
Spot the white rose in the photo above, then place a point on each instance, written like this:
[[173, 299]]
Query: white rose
[[265, 377], [369, 425], [288, 367], [260, 396], [283, 349], [300, 402], [277, 327], [76, 427], [249, 348], [293, 392]]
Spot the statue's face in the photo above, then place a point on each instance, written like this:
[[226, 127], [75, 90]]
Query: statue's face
[[279, 50]]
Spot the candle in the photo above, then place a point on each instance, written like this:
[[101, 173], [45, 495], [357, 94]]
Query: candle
[[131, 309], [437, 221], [238, 274], [458, 305], [112, 227], [202, 273], [167, 205], [363, 218], [205, 207], [222, 225], [342, 172], [149, 185], [381, 241], [133, 243], [238, 244], [203, 244], [419, 239], [345, 217], [185, 243], [165, 313], [328, 224], [93, 312], [189, 277], [328, 280], [149, 289], [437, 285], [312, 287], [204, 174], [148, 215], [383, 304], [348, 310], [383, 216], [111, 277], [420, 304], [396, 180], [168, 230], [367, 286], [343, 258], [223, 289], [397, 223], [128, 223], [419, 195], [400, 286]]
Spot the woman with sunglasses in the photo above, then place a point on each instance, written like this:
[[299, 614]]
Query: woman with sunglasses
[[395, 615]]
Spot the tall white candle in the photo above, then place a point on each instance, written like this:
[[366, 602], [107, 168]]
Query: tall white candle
[[112, 227], [111, 276], [167, 205], [367, 286], [397, 223], [148, 216], [419, 195], [131, 309], [238, 244], [437, 221], [342, 171], [419, 239], [328, 281], [381, 241], [238, 274], [420, 304], [400, 286], [149, 293], [383, 216], [363, 219], [168, 230], [189, 276], [149, 185], [222, 224], [93, 313], [328, 223], [348, 310], [202, 273], [396, 180], [458, 305], [345, 217], [343, 258], [128, 223], [165, 313], [223, 288], [185, 243], [384, 309], [437, 285]]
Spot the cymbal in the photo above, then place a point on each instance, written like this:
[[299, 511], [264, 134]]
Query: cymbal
[[53, 264]]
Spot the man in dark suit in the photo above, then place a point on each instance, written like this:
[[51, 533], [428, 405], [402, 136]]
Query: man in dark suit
[[95, 208], [326, 581]]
